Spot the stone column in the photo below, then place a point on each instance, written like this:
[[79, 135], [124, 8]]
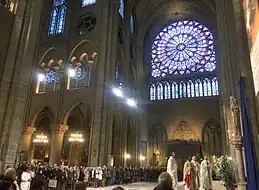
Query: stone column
[[58, 132], [243, 56], [100, 148], [27, 143], [237, 142], [15, 87], [228, 69]]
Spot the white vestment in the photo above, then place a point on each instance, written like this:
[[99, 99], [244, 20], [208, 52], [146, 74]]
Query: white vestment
[[197, 172], [172, 170], [205, 175], [26, 181]]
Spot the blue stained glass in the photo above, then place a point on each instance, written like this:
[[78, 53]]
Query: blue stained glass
[[167, 91], [51, 76], [53, 21], [61, 19], [122, 8], [201, 88], [181, 48], [215, 87], [160, 91], [192, 88], [189, 88], [174, 91], [181, 90], [152, 92], [57, 18], [80, 73], [58, 2], [209, 87], [197, 88], [184, 89], [85, 3], [205, 88], [131, 24]]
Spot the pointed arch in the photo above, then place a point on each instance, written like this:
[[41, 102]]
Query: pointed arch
[[49, 110], [78, 103], [57, 17], [212, 138]]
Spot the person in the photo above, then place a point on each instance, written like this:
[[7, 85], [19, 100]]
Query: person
[[189, 175], [26, 179], [172, 170], [8, 181], [164, 182], [205, 175], [197, 171]]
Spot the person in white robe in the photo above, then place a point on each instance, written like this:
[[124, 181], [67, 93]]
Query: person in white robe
[[172, 170], [206, 175], [197, 171], [25, 180]]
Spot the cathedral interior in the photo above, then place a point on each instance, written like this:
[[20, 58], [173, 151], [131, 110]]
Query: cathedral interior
[[115, 82]]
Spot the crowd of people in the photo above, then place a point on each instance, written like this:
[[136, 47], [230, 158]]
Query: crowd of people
[[62, 177]]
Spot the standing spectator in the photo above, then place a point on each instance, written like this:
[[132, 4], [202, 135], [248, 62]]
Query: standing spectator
[[26, 179], [9, 180], [164, 182]]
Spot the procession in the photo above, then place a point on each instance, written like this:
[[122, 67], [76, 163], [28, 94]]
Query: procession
[[196, 176]]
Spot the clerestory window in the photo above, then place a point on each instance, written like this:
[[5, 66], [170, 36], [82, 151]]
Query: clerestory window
[[57, 18]]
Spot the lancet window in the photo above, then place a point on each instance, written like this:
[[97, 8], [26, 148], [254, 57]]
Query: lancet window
[[57, 18], [122, 8], [79, 72]]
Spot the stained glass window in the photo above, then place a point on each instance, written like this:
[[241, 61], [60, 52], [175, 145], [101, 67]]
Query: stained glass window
[[122, 8], [160, 91], [167, 91], [131, 23], [80, 73], [51, 76], [85, 3], [215, 87], [181, 48], [57, 18], [152, 92], [184, 89]]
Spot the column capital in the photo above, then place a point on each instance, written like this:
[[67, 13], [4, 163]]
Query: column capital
[[29, 130], [60, 128]]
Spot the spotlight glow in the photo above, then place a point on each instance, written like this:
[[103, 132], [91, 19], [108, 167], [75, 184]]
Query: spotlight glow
[[117, 92], [131, 102], [71, 72], [41, 77]]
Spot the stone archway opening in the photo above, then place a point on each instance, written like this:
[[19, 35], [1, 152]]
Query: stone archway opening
[[40, 151], [78, 122]]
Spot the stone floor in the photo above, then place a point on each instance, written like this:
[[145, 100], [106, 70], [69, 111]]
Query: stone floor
[[150, 186]]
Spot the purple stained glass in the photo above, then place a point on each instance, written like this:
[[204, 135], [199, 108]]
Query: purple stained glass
[[85, 3], [181, 48], [58, 2], [51, 76]]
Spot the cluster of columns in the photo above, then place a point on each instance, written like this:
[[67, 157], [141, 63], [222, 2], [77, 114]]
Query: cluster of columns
[[58, 132], [234, 61]]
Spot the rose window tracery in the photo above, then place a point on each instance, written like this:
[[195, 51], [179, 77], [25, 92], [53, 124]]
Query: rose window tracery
[[181, 48]]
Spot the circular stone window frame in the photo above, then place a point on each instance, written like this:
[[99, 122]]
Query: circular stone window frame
[[84, 20]]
